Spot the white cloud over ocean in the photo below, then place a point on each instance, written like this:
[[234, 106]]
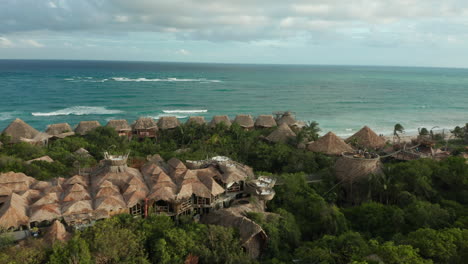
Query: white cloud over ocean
[[365, 23]]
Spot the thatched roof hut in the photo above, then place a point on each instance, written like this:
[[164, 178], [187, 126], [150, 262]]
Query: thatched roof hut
[[265, 121], [85, 127], [56, 232], [244, 121], [134, 197], [281, 134], [253, 237], [329, 144], [17, 182], [76, 192], [56, 129], [45, 212], [77, 207], [211, 184], [80, 179], [350, 168], [232, 174], [199, 120], [13, 212], [367, 138], [48, 198], [220, 119], [119, 125], [5, 191], [19, 129], [43, 158], [287, 118], [145, 123], [168, 122], [110, 203]]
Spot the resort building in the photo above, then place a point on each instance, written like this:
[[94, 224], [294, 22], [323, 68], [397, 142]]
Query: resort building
[[220, 119], [265, 121], [19, 131], [281, 134], [244, 121], [84, 127], [366, 138], [159, 187], [329, 144], [145, 127], [168, 122], [121, 127], [57, 129]]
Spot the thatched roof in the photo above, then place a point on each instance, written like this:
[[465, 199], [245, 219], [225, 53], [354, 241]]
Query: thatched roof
[[287, 118], [349, 169], [168, 122], [232, 174], [56, 232], [367, 139], [200, 120], [245, 121], [193, 186], [76, 192], [13, 212], [43, 158], [19, 129], [110, 203], [119, 125], [48, 198], [134, 197], [166, 193], [17, 182], [145, 123], [82, 151], [265, 121], [31, 195], [77, 207], [329, 144], [5, 191], [211, 184], [63, 135], [86, 126], [56, 129], [281, 134], [220, 119], [176, 164], [45, 212], [82, 180]]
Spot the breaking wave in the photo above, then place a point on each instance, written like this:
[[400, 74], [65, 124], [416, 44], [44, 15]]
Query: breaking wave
[[6, 115], [184, 111], [79, 110], [161, 115], [124, 79]]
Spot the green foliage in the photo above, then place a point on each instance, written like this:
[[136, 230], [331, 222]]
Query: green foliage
[[75, 251]]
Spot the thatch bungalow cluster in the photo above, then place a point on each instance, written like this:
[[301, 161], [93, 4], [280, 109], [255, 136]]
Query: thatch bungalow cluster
[[172, 188]]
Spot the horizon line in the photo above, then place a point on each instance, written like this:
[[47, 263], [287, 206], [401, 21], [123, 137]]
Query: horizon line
[[240, 63]]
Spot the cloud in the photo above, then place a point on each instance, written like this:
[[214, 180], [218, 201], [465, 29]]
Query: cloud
[[241, 20], [183, 52], [32, 43], [5, 43]]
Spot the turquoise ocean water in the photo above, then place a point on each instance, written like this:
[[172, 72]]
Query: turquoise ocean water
[[339, 98]]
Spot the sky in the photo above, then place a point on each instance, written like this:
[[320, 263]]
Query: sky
[[431, 33]]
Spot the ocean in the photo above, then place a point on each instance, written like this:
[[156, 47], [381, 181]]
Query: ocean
[[341, 99]]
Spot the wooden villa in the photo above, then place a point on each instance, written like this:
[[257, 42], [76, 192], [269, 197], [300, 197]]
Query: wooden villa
[[329, 144], [244, 121], [281, 134], [265, 121], [121, 127], [366, 138], [145, 127], [84, 127], [18, 130], [168, 122]]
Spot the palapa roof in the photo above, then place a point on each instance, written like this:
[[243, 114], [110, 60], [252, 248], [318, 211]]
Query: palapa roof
[[134, 197], [41, 185], [45, 212], [194, 186], [13, 212], [166, 193], [329, 144], [367, 138], [145, 123], [19, 129], [80, 179], [76, 192], [245, 121], [57, 129], [349, 168], [16, 181], [168, 122], [82, 151], [265, 121], [48, 198], [5, 191], [211, 184], [232, 174], [281, 134], [43, 158], [220, 119], [200, 120], [56, 232], [77, 207], [31, 195], [287, 118], [110, 203], [119, 125], [86, 126]]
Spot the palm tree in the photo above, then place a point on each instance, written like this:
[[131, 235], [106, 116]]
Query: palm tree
[[397, 129]]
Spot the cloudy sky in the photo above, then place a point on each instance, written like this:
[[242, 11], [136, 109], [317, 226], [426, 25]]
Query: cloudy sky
[[357, 32]]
